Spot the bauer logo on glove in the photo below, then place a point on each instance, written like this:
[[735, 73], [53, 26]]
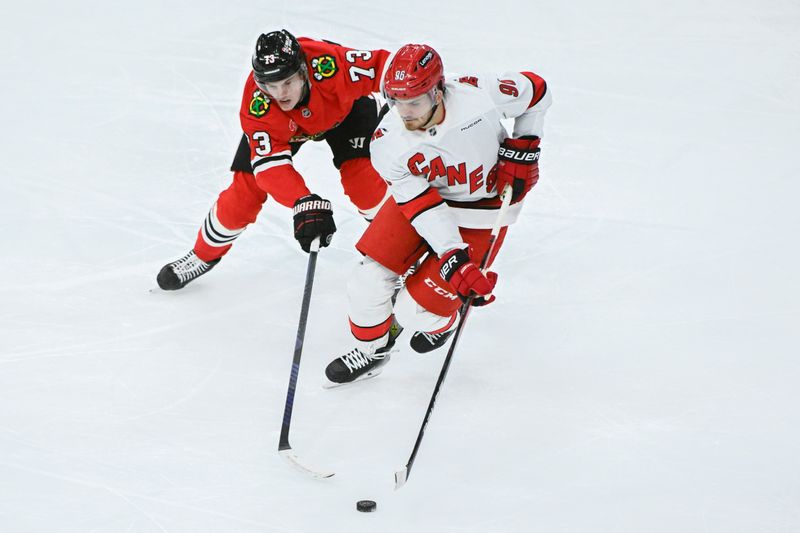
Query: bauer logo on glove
[[508, 154], [518, 166]]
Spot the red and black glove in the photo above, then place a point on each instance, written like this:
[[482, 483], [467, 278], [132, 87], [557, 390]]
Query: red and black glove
[[313, 217], [518, 166], [466, 278]]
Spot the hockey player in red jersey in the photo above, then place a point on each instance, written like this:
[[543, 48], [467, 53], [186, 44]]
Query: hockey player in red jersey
[[299, 90], [445, 154]]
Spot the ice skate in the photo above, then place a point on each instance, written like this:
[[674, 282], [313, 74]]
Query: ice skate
[[357, 365], [424, 342], [177, 274]]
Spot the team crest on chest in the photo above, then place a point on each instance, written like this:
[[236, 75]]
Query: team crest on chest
[[324, 67], [259, 104]]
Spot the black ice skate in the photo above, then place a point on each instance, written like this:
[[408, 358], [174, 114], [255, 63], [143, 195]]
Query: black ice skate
[[177, 274], [357, 365], [422, 342]]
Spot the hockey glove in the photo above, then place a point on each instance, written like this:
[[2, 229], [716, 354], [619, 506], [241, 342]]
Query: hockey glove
[[313, 217], [518, 166], [466, 278]]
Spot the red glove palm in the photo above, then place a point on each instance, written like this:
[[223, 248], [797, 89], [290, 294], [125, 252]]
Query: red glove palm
[[466, 278], [518, 166]]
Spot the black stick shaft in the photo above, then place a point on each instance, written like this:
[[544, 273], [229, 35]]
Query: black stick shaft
[[283, 443]]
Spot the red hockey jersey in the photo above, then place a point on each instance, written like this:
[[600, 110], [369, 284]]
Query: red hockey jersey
[[338, 76]]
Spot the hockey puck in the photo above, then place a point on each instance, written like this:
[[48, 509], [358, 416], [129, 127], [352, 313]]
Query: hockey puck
[[366, 506]]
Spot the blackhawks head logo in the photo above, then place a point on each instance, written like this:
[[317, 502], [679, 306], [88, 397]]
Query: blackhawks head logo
[[324, 67], [259, 104]]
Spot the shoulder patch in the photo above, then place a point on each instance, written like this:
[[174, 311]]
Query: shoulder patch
[[324, 67], [259, 104], [378, 134]]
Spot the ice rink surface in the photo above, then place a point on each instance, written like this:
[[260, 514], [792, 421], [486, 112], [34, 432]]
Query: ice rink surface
[[635, 375]]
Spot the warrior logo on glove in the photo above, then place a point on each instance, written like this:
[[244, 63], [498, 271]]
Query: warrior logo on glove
[[313, 217]]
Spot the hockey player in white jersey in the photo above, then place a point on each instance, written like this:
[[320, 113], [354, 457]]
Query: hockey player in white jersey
[[445, 154]]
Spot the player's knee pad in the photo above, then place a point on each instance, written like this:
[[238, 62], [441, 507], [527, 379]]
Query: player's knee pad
[[369, 292], [430, 291], [414, 317]]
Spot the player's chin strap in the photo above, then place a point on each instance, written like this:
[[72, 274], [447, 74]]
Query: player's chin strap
[[430, 118], [306, 89], [303, 102], [433, 111]]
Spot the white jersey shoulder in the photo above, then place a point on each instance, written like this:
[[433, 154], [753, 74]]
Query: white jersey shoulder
[[516, 97]]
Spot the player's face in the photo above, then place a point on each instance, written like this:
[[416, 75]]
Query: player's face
[[287, 93], [416, 112]]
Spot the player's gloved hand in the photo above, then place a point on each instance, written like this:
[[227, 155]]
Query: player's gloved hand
[[313, 217], [518, 166], [466, 278]]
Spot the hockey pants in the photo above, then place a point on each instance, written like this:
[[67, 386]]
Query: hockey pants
[[427, 302]]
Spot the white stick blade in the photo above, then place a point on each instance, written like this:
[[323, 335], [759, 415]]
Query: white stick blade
[[400, 477], [292, 458]]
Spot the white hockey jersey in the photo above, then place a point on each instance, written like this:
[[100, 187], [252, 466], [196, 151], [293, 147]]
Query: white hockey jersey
[[458, 157]]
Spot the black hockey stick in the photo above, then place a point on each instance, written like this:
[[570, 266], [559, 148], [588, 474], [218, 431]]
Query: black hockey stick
[[401, 476], [284, 448]]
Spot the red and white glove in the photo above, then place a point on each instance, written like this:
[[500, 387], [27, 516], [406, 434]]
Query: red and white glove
[[466, 278], [518, 166]]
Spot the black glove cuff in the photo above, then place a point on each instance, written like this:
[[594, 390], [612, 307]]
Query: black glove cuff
[[452, 262], [521, 156]]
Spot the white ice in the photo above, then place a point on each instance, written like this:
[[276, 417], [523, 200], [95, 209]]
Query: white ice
[[635, 375]]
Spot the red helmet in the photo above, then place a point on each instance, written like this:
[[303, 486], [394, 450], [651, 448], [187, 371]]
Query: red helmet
[[415, 69]]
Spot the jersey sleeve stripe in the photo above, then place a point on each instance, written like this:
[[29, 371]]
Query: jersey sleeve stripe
[[263, 163], [539, 88], [428, 199]]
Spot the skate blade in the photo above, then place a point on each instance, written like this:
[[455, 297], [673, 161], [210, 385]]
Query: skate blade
[[328, 384]]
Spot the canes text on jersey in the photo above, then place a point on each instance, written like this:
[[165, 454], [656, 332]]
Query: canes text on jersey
[[456, 174]]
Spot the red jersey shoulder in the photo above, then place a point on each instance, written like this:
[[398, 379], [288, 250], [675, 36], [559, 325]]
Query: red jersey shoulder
[[350, 69], [254, 102], [323, 59]]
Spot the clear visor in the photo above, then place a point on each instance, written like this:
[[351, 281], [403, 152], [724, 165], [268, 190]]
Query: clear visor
[[414, 108], [277, 89]]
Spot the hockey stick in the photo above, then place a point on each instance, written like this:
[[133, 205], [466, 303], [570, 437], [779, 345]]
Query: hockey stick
[[284, 448], [401, 476]]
